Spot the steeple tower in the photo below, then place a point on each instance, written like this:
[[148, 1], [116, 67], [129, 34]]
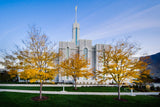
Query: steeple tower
[[75, 29], [76, 14]]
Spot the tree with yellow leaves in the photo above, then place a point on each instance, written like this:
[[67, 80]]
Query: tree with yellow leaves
[[26, 75], [37, 58], [76, 66], [120, 65], [145, 75], [10, 63]]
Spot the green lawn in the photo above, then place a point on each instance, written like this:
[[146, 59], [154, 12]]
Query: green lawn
[[80, 89], [8, 99]]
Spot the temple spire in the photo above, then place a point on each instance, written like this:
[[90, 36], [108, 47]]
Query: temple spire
[[75, 29], [76, 14]]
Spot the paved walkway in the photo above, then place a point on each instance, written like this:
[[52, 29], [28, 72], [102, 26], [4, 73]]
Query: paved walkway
[[37, 85], [79, 93], [53, 85]]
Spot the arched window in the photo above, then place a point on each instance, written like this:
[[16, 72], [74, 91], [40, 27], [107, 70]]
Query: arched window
[[86, 53], [67, 52]]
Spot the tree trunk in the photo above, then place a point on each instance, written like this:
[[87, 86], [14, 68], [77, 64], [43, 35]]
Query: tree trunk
[[119, 97], [41, 90], [75, 84]]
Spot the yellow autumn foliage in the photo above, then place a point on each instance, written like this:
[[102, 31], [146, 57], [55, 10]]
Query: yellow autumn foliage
[[10, 63], [76, 66], [37, 60], [120, 65]]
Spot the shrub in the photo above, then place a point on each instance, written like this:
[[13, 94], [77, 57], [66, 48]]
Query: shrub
[[158, 88], [148, 87], [152, 88]]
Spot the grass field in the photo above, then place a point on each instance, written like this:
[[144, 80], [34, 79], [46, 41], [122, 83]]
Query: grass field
[[80, 89], [8, 99]]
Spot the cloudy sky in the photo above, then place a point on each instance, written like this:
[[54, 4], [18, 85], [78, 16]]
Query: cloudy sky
[[102, 21]]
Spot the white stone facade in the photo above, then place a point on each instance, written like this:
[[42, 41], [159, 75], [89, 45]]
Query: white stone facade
[[83, 47]]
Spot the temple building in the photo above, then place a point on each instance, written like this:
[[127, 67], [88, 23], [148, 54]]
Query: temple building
[[83, 47]]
